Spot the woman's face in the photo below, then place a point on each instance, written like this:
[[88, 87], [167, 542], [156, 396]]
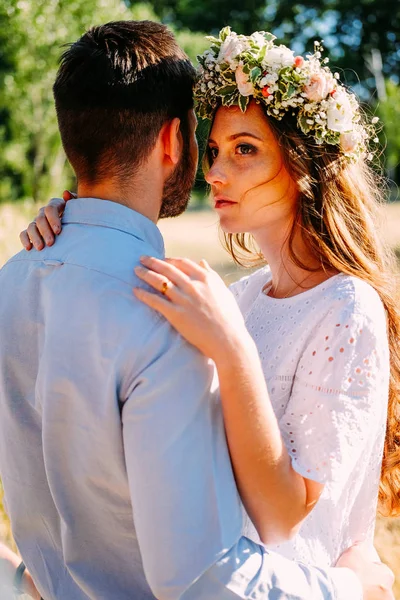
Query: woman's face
[[251, 187]]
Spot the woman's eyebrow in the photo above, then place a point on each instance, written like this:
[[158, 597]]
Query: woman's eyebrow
[[237, 135], [244, 134]]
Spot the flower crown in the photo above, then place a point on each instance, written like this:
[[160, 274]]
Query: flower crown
[[239, 67]]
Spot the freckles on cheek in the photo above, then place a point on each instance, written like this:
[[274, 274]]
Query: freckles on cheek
[[260, 173]]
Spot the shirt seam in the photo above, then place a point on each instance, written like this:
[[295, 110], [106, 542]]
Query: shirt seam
[[106, 225]]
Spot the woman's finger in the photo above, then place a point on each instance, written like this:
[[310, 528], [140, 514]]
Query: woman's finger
[[169, 271], [34, 236], [203, 263], [160, 283], [156, 302], [53, 213], [187, 266], [44, 228], [25, 241], [67, 195]]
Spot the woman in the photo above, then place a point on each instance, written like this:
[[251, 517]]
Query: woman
[[287, 164]]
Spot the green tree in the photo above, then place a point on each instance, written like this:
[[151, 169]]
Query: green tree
[[31, 36], [32, 162], [211, 15]]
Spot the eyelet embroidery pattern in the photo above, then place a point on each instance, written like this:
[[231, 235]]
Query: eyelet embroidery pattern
[[325, 358]]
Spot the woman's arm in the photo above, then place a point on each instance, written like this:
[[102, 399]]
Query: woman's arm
[[9, 562], [200, 307]]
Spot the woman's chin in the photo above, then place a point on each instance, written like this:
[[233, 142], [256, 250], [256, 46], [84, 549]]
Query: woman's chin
[[232, 228]]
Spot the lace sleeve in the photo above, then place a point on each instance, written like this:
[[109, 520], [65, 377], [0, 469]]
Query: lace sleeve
[[339, 395]]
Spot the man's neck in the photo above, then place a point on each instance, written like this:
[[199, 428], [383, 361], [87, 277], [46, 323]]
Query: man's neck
[[144, 199]]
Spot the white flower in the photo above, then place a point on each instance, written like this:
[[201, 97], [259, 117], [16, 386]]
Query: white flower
[[278, 57], [230, 49], [340, 112], [244, 84], [210, 58], [375, 120], [258, 38]]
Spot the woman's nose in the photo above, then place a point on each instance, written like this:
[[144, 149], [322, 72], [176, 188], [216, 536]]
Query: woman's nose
[[216, 174]]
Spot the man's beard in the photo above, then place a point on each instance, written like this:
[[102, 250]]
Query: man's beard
[[178, 187]]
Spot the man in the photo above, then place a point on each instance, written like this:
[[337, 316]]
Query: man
[[112, 450]]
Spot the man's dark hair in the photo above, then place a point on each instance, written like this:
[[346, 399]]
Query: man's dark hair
[[115, 88]]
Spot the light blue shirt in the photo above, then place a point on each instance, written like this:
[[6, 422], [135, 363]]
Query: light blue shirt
[[113, 456]]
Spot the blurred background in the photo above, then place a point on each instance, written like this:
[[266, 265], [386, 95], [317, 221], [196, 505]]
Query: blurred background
[[362, 40]]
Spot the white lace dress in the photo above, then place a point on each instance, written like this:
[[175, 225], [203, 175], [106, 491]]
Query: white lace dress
[[326, 362]]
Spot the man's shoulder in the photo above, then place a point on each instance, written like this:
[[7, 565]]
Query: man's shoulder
[[85, 276], [99, 251]]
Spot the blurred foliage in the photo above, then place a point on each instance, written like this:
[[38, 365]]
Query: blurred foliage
[[389, 112], [32, 163], [351, 31]]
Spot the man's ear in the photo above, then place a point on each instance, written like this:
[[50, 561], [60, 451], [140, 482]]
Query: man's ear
[[171, 137]]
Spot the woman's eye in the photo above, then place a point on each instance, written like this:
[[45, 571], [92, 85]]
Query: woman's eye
[[213, 152], [245, 149]]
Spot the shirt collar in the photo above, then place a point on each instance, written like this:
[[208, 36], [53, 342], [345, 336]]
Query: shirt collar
[[104, 213]]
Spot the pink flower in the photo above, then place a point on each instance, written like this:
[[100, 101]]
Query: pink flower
[[319, 86], [245, 86], [298, 62], [348, 142]]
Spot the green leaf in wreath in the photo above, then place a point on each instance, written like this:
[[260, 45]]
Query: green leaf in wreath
[[304, 126], [291, 91], [224, 33], [286, 74], [225, 90], [243, 102], [261, 54], [229, 100], [254, 74], [283, 87], [213, 39]]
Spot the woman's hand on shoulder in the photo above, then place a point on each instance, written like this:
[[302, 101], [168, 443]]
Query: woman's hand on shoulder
[[43, 230], [196, 301]]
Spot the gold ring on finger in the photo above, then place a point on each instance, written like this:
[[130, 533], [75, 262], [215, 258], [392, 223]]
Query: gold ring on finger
[[165, 287]]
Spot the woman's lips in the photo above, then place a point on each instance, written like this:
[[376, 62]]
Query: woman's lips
[[223, 202]]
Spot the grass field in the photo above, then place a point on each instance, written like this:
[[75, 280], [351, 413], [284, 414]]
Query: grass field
[[195, 235]]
